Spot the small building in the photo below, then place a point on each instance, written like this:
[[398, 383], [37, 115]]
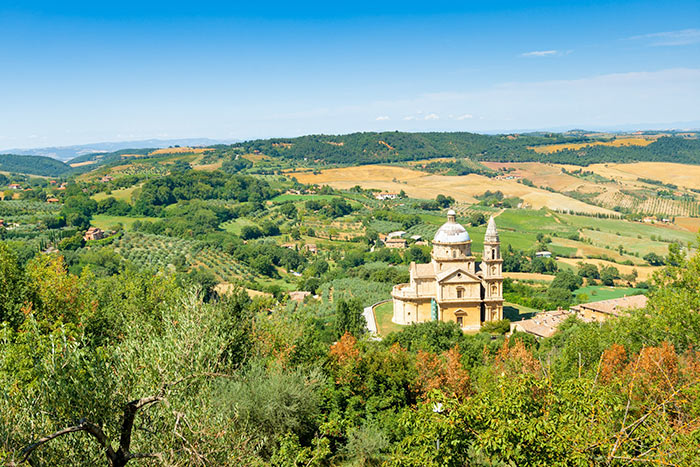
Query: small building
[[291, 246], [543, 324], [395, 242], [648, 220], [416, 237], [543, 254], [299, 295], [53, 200], [397, 234], [612, 308], [14, 186], [384, 195], [311, 248], [106, 178], [94, 233]]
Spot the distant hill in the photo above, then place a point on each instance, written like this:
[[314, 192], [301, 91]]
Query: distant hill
[[33, 165], [66, 153], [369, 148]]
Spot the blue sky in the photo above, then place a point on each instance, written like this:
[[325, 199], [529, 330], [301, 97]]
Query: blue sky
[[81, 72]]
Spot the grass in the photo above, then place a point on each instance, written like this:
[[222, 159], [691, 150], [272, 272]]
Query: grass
[[104, 221], [122, 194], [596, 293], [515, 312], [383, 314], [234, 226]]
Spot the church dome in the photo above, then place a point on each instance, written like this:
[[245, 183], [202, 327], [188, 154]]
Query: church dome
[[451, 231]]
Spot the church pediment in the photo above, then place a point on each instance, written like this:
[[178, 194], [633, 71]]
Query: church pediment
[[457, 276]]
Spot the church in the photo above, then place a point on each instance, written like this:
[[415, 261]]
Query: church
[[452, 287]]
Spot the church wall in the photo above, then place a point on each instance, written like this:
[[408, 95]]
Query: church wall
[[407, 312], [470, 291], [470, 320]]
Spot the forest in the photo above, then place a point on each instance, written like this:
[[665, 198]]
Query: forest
[[371, 148], [34, 165]]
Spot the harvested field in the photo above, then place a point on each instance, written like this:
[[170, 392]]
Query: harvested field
[[225, 288], [82, 164], [678, 174], [617, 142], [182, 150], [549, 175], [427, 186], [208, 167], [529, 276], [691, 224], [643, 272]]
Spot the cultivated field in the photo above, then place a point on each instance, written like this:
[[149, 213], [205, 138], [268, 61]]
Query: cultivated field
[[684, 175], [643, 272], [617, 142], [423, 185]]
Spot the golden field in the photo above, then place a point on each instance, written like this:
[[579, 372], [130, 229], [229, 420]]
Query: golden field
[[419, 184], [617, 142]]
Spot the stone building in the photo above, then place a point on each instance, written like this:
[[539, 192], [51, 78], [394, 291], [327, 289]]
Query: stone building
[[452, 287]]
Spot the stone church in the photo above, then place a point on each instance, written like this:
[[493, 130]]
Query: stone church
[[452, 287]]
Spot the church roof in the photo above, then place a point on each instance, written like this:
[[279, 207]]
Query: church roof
[[491, 232], [451, 231]]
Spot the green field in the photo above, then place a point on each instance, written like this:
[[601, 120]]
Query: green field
[[515, 312], [234, 226], [383, 314], [122, 194], [104, 221], [596, 293]]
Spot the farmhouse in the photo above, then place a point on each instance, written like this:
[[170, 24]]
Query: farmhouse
[[606, 309], [384, 195], [93, 233], [395, 242], [543, 324], [452, 287]]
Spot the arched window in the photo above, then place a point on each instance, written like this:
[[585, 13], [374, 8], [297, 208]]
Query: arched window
[[454, 253], [494, 289], [493, 254], [460, 292]]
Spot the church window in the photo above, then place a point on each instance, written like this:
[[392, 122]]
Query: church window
[[459, 321], [454, 254], [493, 270], [493, 254], [460, 292], [494, 289]]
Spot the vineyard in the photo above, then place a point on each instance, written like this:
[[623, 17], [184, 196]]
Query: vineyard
[[650, 205]]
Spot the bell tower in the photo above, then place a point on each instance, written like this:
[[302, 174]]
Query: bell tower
[[492, 274]]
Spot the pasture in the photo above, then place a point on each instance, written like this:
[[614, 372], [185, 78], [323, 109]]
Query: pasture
[[105, 221], [122, 194]]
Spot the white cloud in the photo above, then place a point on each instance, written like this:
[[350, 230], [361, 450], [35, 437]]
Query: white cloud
[[409, 117], [382, 118], [671, 38], [540, 53], [432, 117], [465, 117]]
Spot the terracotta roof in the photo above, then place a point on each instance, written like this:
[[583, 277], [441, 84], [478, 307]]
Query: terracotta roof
[[614, 306], [543, 324]]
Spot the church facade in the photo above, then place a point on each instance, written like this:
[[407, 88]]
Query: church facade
[[452, 287]]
